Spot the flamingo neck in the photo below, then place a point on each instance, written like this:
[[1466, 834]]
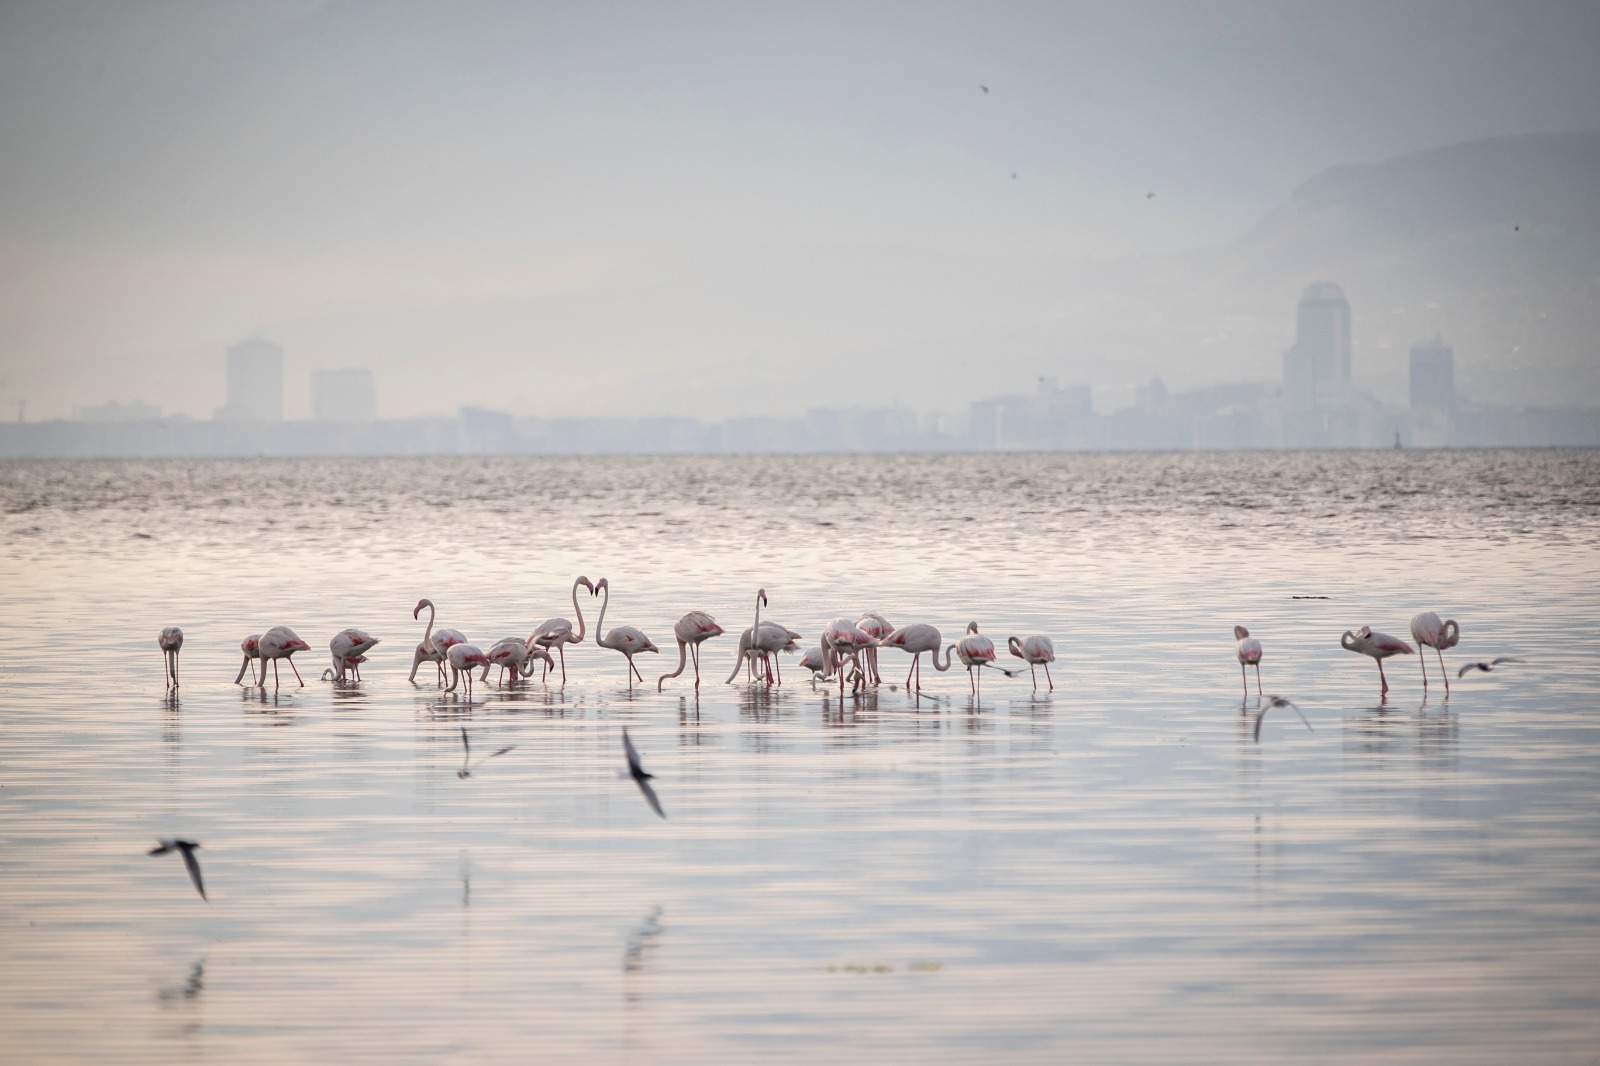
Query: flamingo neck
[[600, 622], [948, 648], [579, 612], [427, 637]]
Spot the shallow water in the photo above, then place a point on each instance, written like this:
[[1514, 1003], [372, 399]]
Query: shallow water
[[1113, 872]]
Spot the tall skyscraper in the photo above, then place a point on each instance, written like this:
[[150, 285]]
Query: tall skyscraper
[[1316, 371], [255, 383], [343, 395], [1433, 376]]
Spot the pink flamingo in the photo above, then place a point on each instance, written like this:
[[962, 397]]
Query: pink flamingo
[[557, 633], [1427, 630], [816, 661], [1249, 652], [842, 639], [763, 641], [464, 658], [626, 639], [170, 640], [251, 646], [692, 629], [279, 642], [916, 639], [440, 643], [349, 648], [1036, 652], [975, 652], [877, 627], [423, 654], [1378, 645]]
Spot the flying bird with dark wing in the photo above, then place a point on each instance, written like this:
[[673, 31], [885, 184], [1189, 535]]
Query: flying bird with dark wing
[[1277, 701], [639, 775], [1486, 667], [466, 754], [985, 88], [186, 848]]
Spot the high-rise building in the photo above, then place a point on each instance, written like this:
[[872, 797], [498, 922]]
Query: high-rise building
[[1316, 371], [1433, 376], [255, 383], [343, 395]]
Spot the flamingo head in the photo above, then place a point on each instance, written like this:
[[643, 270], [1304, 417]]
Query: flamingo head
[[417, 610], [972, 627], [1240, 632], [586, 583], [598, 585], [1015, 644]]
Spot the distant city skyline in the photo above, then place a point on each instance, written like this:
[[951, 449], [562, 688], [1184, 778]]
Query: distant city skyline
[[726, 212]]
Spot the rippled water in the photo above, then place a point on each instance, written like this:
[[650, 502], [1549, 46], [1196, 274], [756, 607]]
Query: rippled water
[[1115, 872]]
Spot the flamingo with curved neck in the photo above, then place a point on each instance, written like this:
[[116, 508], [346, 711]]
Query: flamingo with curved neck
[[917, 638], [557, 633], [1428, 631], [691, 630], [626, 639]]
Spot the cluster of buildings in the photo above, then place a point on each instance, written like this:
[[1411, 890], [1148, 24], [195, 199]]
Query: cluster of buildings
[[1315, 405]]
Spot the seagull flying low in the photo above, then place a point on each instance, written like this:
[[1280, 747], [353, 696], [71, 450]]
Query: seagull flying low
[[466, 753], [186, 848], [1277, 701], [1486, 667], [640, 777]]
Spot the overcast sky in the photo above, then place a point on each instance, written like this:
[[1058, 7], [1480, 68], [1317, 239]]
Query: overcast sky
[[701, 209]]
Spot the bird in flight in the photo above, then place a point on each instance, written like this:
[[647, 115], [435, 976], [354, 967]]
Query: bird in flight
[[985, 88], [1149, 196], [466, 753], [186, 848], [1486, 667], [1277, 701], [639, 775]]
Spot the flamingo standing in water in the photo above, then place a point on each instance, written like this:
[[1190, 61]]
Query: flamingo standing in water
[[842, 639], [510, 654], [691, 630], [917, 638], [1378, 645], [251, 646], [1249, 652], [877, 627], [1036, 652], [815, 660], [1427, 630], [763, 641], [464, 658], [279, 642], [438, 644], [170, 640], [423, 654], [975, 652], [557, 633], [626, 639], [349, 648]]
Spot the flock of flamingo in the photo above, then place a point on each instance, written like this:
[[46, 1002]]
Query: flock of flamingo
[[847, 652]]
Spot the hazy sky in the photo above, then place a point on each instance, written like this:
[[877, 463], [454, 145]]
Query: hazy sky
[[701, 209]]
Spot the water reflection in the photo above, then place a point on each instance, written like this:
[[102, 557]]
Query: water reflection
[[191, 987]]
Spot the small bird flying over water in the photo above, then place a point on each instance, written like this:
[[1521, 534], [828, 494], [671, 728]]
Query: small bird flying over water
[[637, 772], [186, 848], [466, 753], [1486, 667], [1277, 701]]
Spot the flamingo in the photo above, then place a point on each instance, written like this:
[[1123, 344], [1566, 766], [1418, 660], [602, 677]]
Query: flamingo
[[557, 632], [279, 642], [514, 654], [691, 630], [816, 661], [169, 641], [438, 643], [1035, 651], [1249, 652], [762, 641], [1378, 645], [1427, 630], [349, 648], [842, 639], [916, 639], [877, 627], [350, 665], [626, 639], [463, 659], [251, 646], [423, 654], [975, 652]]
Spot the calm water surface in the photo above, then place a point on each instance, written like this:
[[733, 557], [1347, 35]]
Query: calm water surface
[[1115, 872]]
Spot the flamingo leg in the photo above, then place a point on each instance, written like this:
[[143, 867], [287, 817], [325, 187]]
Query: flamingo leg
[[1442, 670], [1383, 680], [562, 648], [778, 668], [296, 670], [1034, 671], [912, 670], [1050, 679], [1258, 677], [274, 674], [635, 670], [1423, 659], [1245, 678], [694, 652]]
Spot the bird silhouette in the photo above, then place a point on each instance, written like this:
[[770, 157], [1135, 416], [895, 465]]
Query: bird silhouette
[[639, 775], [1277, 701], [985, 88], [1486, 667], [186, 848], [466, 753]]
